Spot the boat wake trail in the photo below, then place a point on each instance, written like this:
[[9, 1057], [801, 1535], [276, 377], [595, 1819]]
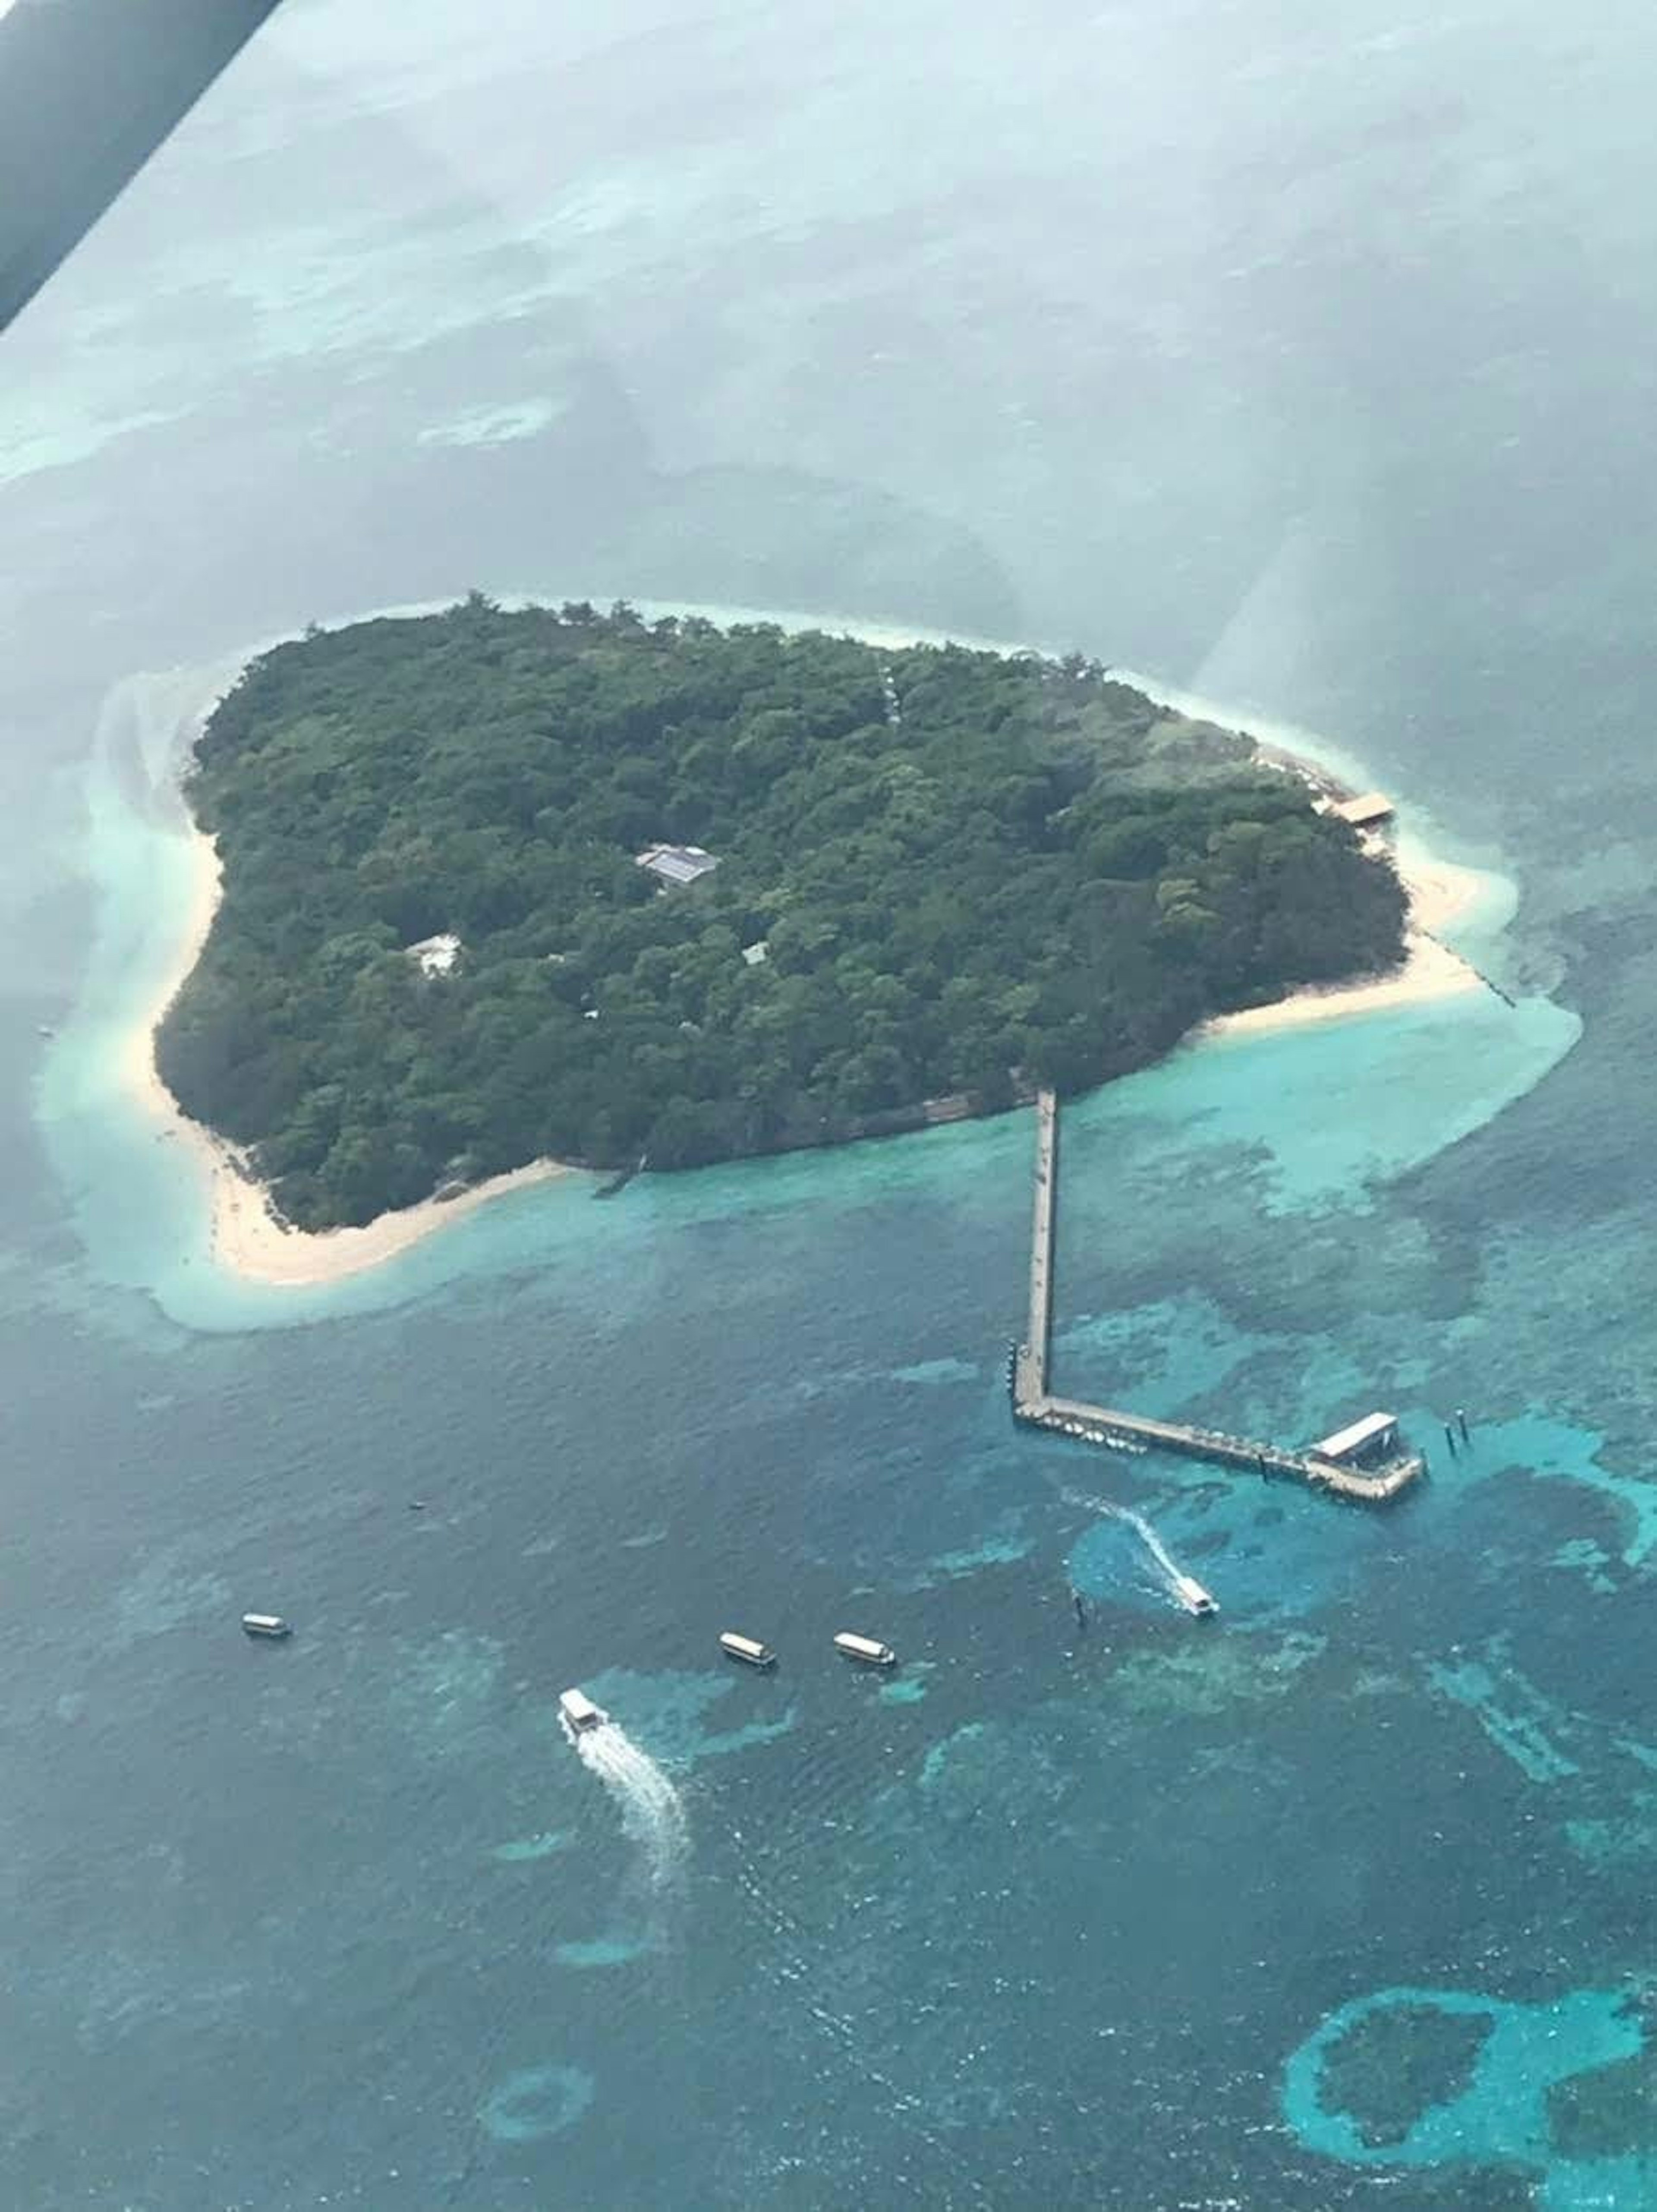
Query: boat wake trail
[[1167, 1573], [652, 1812]]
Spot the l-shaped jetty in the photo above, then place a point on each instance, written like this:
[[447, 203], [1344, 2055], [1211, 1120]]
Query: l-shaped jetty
[[1363, 1461]]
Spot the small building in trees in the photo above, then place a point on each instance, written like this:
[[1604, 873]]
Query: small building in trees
[[676, 864], [435, 956]]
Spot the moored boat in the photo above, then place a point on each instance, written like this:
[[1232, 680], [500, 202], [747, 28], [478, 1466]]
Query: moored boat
[[748, 1649], [269, 1625], [865, 1650]]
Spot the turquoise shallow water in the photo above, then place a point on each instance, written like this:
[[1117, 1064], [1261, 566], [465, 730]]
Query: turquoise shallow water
[[1292, 355], [698, 1411]]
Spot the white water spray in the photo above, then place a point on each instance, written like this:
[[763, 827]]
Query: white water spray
[[652, 1812], [1156, 1552]]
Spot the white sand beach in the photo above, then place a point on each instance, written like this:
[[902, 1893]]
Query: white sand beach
[[1439, 892], [246, 1237]]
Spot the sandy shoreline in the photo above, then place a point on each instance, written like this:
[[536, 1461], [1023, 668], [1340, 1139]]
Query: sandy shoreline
[[1439, 891], [245, 1237], [247, 1240]]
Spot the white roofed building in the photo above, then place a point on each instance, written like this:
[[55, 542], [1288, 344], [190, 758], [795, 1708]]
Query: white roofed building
[[1369, 810], [676, 864], [1375, 1434], [436, 956]]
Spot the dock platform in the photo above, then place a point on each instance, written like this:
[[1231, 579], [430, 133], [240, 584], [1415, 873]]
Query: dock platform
[[1035, 1405]]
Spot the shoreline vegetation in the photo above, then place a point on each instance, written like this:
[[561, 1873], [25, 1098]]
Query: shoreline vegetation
[[1439, 891], [249, 1238], [246, 1237]]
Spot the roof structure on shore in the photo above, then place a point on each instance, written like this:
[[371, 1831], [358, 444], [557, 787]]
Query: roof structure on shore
[[1366, 809]]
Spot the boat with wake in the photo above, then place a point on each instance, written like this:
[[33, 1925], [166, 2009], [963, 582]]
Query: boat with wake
[[579, 1713]]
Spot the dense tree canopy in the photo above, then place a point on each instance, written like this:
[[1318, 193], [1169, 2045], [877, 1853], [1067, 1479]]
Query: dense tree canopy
[[940, 872]]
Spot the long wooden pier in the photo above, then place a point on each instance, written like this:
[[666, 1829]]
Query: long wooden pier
[[1035, 1404], [1031, 1366]]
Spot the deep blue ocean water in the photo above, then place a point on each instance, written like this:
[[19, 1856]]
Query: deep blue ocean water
[[1300, 356]]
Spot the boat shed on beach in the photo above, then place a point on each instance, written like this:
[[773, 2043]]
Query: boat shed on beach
[[1370, 810]]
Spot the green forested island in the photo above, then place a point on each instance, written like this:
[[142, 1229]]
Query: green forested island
[[942, 875]]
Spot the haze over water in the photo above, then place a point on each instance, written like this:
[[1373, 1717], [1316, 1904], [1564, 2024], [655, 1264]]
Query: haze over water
[[1299, 355]]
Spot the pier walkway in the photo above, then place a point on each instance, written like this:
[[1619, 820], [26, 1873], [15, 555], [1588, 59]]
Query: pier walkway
[[1035, 1405], [1030, 1365]]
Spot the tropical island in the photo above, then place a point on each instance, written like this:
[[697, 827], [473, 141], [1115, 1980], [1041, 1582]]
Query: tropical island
[[507, 886]]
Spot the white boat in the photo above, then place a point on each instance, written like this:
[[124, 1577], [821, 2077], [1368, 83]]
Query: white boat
[[865, 1648], [747, 1649], [269, 1624], [1193, 1596], [577, 1711]]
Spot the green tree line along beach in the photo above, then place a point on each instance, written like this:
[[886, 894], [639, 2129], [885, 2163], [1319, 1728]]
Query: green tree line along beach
[[939, 874]]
